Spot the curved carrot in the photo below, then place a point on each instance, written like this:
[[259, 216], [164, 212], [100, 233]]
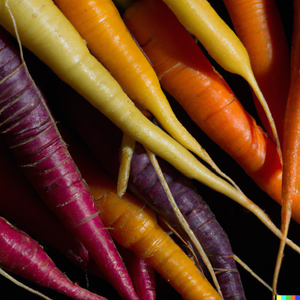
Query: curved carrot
[[134, 226], [188, 76], [200, 19], [261, 31], [101, 26], [291, 142]]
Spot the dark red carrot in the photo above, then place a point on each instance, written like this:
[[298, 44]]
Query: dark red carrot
[[21, 255], [32, 211], [31, 133]]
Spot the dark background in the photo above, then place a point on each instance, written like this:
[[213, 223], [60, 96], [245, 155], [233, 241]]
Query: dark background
[[251, 240]]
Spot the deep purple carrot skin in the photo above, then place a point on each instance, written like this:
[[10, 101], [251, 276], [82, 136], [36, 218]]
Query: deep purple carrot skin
[[145, 184], [31, 133], [23, 207], [21, 255]]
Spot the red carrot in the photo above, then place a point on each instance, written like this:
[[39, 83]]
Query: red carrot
[[22, 255], [188, 76], [32, 211], [31, 133], [260, 29]]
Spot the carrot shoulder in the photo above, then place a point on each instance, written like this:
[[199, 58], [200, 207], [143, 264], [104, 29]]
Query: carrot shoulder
[[188, 76], [260, 29]]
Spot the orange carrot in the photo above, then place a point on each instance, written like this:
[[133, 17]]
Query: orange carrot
[[261, 30], [134, 226], [187, 75], [291, 142], [101, 26]]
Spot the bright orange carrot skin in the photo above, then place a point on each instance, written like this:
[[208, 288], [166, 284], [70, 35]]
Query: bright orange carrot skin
[[261, 30], [188, 76], [134, 226]]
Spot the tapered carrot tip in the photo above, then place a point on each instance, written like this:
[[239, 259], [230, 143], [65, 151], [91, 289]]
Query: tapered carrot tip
[[22, 255]]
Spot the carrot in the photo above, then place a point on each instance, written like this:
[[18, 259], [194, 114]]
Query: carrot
[[32, 211], [261, 31], [135, 227], [200, 19], [101, 26], [73, 63], [30, 131], [290, 179], [189, 77], [22, 255]]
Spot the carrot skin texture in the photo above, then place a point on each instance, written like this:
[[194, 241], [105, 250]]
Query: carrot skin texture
[[23, 256], [31, 211], [31, 133], [260, 29], [188, 76]]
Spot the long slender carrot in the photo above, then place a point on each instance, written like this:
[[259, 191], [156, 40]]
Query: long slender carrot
[[200, 19], [261, 31], [30, 131], [188, 76], [45, 31], [291, 142], [135, 227], [101, 26]]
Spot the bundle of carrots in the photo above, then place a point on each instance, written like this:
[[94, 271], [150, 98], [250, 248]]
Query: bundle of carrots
[[162, 57]]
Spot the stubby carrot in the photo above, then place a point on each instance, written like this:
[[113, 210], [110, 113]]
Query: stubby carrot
[[261, 31], [189, 77], [39, 24], [200, 19], [30, 131], [101, 26], [22, 255]]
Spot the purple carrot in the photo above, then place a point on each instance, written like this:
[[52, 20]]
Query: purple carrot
[[23, 207], [31, 133], [23, 256], [145, 184]]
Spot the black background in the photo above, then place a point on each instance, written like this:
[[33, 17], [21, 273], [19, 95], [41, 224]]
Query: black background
[[251, 240]]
